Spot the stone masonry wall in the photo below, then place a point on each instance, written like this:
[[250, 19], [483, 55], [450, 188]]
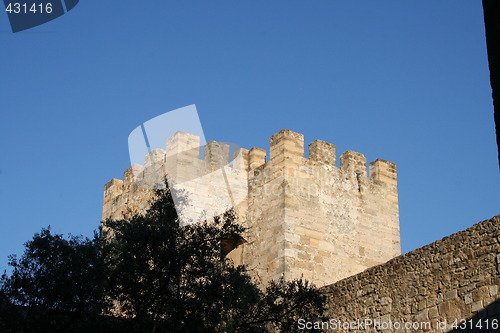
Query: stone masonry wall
[[307, 215], [432, 287], [304, 216]]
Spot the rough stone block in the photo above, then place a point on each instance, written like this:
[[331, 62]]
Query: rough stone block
[[181, 142], [323, 152], [352, 162], [287, 142], [384, 171], [256, 158], [216, 154]]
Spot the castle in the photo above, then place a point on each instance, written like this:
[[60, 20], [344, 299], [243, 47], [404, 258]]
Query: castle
[[306, 217], [334, 226]]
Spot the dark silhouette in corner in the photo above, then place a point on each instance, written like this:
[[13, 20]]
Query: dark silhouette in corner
[[492, 26]]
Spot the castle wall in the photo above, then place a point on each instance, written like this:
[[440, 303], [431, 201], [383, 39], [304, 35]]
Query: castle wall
[[309, 216], [305, 216], [455, 278]]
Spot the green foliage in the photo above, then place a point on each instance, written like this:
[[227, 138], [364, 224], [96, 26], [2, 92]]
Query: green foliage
[[153, 274], [55, 273]]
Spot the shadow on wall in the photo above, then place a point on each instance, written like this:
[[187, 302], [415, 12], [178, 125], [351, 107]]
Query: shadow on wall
[[485, 321]]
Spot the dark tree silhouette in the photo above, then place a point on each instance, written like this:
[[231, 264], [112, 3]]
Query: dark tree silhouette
[[56, 273], [175, 278], [151, 274]]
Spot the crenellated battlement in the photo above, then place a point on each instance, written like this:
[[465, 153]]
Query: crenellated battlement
[[184, 149], [305, 215]]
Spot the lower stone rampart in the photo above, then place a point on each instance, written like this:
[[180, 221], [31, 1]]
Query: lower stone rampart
[[455, 280]]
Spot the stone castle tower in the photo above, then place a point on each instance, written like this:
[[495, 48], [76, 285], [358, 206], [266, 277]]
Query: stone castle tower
[[305, 216]]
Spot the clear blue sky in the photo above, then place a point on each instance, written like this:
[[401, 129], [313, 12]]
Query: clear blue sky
[[406, 81]]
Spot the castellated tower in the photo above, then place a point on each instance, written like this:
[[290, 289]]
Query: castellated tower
[[305, 216]]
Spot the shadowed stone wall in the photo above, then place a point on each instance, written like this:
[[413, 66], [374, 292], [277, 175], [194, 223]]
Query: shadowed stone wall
[[455, 278]]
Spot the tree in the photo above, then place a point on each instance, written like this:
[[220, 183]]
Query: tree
[[153, 274], [175, 278], [284, 303], [56, 273]]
